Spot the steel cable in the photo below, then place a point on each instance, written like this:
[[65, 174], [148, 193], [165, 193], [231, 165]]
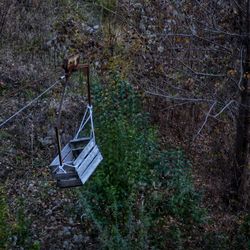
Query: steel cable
[[31, 102]]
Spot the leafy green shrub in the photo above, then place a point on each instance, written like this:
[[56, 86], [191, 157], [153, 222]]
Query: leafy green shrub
[[138, 185], [174, 203], [122, 132], [174, 178]]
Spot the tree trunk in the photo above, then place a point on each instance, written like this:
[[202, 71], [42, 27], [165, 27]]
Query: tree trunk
[[243, 123]]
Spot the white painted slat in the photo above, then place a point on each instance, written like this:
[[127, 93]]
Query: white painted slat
[[69, 157], [91, 168], [84, 153], [80, 139], [66, 150], [87, 160]]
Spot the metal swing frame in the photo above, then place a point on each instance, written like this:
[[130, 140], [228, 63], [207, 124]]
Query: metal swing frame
[[79, 158]]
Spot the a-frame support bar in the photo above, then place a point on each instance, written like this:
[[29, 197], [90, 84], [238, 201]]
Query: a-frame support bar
[[70, 65]]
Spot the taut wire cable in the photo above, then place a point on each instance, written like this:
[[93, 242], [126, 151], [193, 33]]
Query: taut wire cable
[[31, 102]]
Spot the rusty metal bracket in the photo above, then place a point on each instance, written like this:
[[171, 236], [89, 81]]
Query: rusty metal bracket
[[72, 64]]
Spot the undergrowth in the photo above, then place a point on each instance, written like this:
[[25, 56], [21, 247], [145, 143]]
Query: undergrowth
[[141, 196], [14, 230]]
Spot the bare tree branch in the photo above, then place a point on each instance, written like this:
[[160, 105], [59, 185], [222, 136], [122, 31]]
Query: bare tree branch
[[241, 69], [200, 73], [223, 109], [177, 98], [206, 118]]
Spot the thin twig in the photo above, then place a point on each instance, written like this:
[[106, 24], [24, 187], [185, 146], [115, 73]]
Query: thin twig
[[177, 98], [223, 109], [241, 69], [205, 121], [200, 73]]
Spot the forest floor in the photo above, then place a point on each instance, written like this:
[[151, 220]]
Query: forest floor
[[28, 146], [53, 215]]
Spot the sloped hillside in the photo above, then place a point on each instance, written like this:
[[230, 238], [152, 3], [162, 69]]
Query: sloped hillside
[[167, 79]]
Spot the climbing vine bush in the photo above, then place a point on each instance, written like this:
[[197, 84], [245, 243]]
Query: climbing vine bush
[[139, 194]]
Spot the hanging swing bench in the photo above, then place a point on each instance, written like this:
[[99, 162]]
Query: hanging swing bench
[[79, 158]]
